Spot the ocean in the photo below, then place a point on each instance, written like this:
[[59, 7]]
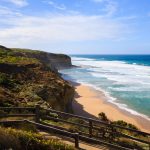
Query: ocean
[[124, 79]]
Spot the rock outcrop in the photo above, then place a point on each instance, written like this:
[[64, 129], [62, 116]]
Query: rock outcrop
[[30, 77]]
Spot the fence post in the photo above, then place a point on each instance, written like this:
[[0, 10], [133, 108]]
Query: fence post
[[37, 112], [112, 132], [76, 137], [90, 128]]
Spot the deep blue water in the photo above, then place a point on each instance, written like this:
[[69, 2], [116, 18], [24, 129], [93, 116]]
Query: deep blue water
[[138, 59], [125, 79]]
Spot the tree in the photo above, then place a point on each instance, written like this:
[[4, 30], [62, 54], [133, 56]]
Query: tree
[[102, 116]]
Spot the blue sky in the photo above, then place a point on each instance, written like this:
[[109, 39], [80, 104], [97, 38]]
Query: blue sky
[[77, 26]]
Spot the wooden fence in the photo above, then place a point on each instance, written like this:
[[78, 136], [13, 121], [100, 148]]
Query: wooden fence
[[96, 131]]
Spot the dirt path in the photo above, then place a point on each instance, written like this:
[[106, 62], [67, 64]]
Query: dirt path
[[82, 145]]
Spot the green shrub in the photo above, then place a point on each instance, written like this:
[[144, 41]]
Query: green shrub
[[5, 81], [130, 144], [125, 124], [132, 126], [18, 60], [102, 116], [27, 127], [23, 140], [76, 128], [76, 120], [3, 53], [120, 123], [21, 50], [8, 140]]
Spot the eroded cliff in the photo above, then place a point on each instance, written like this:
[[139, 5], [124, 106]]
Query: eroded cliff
[[30, 77], [55, 61]]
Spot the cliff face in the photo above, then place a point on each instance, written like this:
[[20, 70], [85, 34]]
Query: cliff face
[[60, 61], [55, 61], [30, 77]]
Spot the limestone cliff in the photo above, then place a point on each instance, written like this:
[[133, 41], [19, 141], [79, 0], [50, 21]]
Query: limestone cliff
[[55, 61], [30, 77]]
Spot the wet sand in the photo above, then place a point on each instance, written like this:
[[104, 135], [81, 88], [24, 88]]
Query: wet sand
[[90, 102]]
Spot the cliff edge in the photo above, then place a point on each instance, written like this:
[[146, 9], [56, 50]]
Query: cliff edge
[[30, 77]]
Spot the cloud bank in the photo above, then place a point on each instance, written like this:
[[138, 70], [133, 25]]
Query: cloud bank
[[19, 3], [60, 28]]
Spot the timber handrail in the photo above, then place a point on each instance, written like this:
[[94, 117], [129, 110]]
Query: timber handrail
[[98, 121], [75, 136], [17, 115], [48, 128], [80, 117], [86, 126], [90, 123], [32, 108]]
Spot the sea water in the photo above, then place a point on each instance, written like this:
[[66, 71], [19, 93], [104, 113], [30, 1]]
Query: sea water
[[124, 79]]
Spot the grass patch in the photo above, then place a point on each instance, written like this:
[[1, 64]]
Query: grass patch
[[18, 60], [26, 50], [22, 140], [9, 56]]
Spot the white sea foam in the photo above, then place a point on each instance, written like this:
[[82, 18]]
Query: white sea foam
[[120, 76], [127, 89], [118, 71], [114, 101], [81, 59]]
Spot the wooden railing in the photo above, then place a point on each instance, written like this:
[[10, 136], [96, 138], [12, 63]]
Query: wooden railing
[[96, 131]]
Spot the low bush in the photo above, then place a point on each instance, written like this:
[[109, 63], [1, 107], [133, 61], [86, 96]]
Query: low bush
[[5, 81], [102, 116], [18, 60], [23, 140]]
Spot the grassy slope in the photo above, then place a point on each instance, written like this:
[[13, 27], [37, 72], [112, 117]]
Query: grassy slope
[[25, 79], [8, 56], [22, 140]]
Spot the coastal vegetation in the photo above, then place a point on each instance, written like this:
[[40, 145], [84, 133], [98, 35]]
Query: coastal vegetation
[[18, 60], [102, 116], [22, 140], [108, 132], [27, 78], [123, 141]]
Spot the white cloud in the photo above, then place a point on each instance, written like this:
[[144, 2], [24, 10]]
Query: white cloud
[[110, 6], [19, 3], [55, 5], [17, 30], [5, 11], [24, 31]]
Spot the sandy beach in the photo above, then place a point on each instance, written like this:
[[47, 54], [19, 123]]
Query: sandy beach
[[89, 102]]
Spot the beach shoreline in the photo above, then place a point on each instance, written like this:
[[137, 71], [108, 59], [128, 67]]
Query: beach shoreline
[[90, 102]]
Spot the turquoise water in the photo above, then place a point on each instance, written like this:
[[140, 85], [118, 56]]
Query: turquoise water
[[125, 79]]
